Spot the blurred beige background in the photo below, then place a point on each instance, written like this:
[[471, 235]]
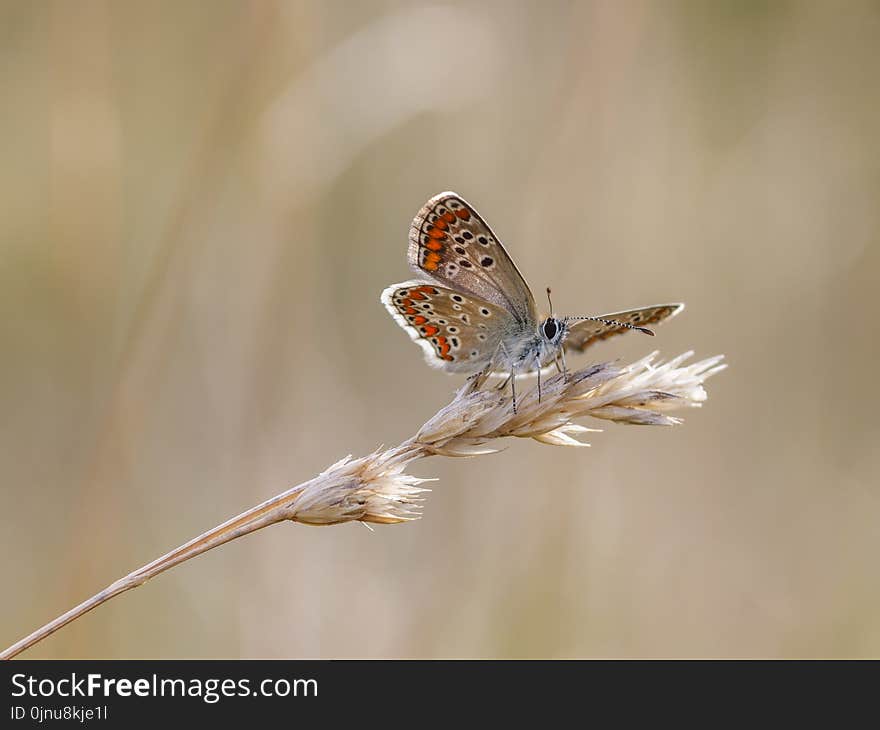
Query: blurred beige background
[[200, 203]]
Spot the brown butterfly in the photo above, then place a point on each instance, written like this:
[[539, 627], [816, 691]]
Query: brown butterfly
[[476, 313]]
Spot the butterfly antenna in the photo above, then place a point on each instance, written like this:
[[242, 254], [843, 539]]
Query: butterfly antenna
[[611, 322], [550, 301]]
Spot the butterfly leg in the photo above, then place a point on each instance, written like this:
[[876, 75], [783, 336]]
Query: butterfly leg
[[512, 377], [512, 380], [564, 369], [480, 374], [538, 365], [476, 381]]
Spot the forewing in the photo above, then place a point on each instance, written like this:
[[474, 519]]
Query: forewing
[[457, 331], [450, 243], [583, 334]]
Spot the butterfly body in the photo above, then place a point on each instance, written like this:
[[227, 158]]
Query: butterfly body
[[528, 350], [474, 310]]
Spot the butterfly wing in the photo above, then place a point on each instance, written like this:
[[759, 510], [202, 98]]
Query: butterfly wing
[[583, 334], [458, 332], [451, 244]]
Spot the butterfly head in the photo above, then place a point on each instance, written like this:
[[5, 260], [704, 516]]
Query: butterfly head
[[553, 330]]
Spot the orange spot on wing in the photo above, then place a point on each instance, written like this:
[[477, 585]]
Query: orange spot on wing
[[431, 258], [435, 232], [441, 224], [449, 216], [430, 265], [406, 302], [427, 289], [463, 213], [431, 330], [434, 245], [409, 310], [419, 320], [415, 295]]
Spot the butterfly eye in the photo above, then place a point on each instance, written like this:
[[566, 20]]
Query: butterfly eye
[[550, 328]]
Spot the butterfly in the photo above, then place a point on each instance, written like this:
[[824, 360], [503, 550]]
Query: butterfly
[[473, 311]]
